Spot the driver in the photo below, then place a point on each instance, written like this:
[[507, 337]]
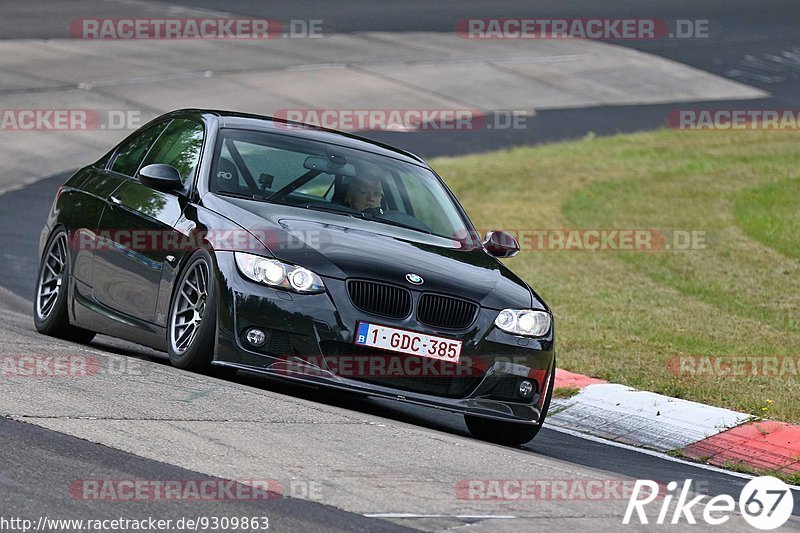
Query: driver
[[364, 192]]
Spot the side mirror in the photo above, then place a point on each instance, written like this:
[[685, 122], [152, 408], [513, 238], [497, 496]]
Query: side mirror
[[501, 244], [161, 177]]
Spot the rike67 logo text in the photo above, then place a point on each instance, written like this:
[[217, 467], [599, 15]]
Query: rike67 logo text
[[765, 503]]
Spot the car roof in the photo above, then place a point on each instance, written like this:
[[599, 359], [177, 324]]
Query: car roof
[[233, 119]]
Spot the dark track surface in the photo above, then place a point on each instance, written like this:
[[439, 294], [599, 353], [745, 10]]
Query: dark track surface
[[752, 42], [30, 491]]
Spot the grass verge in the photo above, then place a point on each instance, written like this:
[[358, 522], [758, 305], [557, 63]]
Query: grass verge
[[731, 297], [562, 393]]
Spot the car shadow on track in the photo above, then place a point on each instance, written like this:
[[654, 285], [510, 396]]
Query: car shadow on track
[[402, 412]]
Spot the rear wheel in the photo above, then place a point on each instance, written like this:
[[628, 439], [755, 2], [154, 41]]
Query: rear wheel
[[50, 315], [510, 433]]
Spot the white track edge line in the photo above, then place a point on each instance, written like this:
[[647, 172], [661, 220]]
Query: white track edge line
[[412, 515]]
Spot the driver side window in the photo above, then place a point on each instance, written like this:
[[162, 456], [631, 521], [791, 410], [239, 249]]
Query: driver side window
[[179, 146], [130, 154]]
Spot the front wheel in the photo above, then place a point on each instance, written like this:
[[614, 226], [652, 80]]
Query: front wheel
[[193, 319], [510, 433], [50, 315], [193, 315]]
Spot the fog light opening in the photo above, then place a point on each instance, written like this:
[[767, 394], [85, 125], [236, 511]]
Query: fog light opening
[[255, 337], [526, 389]]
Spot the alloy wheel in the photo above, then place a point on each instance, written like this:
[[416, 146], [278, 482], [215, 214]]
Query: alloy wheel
[[51, 277], [188, 310]]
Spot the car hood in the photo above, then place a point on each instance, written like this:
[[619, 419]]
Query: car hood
[[343, 247]]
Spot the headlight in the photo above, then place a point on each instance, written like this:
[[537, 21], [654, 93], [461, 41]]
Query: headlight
[[524, 322], [278, 274]]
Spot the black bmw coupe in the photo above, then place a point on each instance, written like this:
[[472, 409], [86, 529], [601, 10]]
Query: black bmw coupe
[[241, 242]]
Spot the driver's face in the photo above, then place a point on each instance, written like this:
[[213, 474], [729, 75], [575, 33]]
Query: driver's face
[[365, 193]]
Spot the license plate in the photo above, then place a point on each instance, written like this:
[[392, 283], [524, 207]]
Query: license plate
[[410, 342]]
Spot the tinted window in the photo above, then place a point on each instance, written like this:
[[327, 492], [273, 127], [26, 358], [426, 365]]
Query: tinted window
[[178, 146], [132, 152], [429, 202], [319, 187], [270, 167], [337, 179]]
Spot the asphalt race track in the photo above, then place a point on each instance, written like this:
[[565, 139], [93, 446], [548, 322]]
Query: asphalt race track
[[381, 466], [26, 485], [755, 43]]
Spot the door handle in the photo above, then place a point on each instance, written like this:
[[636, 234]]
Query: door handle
[[114, 200]]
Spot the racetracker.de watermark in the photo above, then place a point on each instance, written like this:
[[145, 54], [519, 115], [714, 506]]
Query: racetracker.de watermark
[[193, 28], [240, 240], [734, 366], [734, 119], [404, 365], [603, 239], [583, 28], [258, 240], [68, 366], [40, 119], [407, 119], [545, 489], [193, 490]]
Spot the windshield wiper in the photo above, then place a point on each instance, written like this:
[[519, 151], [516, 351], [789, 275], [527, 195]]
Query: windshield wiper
[[342, 210], [395, 223], [255, 197]]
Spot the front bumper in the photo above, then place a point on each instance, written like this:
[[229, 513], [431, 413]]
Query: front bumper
[[310, 337]]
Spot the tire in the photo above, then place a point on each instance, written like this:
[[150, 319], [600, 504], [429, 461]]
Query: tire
[[510, 433], [50, 306], [192, 322]]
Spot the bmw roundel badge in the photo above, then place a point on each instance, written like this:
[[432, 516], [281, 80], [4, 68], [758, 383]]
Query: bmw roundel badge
[[413, 278]]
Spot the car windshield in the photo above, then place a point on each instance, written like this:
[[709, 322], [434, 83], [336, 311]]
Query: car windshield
[[286, 170]]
